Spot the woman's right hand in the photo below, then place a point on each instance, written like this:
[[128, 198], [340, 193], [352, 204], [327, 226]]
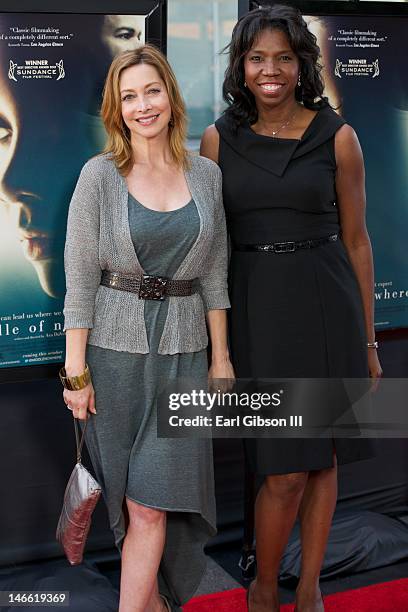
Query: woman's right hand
[[80, 402]]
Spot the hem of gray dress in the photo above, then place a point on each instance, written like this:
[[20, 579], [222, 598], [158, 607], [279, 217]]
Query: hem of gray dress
[[194, 589], [156, 507]]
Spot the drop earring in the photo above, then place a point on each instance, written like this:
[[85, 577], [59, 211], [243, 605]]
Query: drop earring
[[245, 84], [299, 83]]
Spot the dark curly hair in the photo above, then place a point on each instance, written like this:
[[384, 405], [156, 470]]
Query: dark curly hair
[[289, 20]]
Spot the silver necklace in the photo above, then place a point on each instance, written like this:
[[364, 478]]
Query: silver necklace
[[284, 124]]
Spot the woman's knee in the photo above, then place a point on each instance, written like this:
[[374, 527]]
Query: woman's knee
[[286, 486], [143, 515]]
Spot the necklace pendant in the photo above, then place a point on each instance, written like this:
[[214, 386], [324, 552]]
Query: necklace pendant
[[273, 133]]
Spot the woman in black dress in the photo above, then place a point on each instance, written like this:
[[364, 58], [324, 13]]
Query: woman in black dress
[[293, 172]]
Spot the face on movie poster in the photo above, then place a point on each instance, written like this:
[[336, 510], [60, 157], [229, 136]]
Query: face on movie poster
[[365, 72], [52, 69]]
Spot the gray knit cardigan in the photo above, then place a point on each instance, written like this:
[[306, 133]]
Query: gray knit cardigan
[[98, 238]]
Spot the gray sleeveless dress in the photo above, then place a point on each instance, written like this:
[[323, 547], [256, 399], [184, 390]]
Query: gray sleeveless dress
[[129, 459]]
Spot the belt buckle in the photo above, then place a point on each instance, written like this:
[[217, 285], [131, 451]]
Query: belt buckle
[[284, 247], [152, 287], [112, 278]]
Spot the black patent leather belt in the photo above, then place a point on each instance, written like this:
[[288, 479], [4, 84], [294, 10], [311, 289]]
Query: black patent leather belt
[[286, 247], [148, 287]]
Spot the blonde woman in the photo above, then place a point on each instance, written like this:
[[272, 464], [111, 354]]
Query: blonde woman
[[145, 207]]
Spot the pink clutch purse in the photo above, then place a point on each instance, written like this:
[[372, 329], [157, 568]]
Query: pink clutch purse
[[80, 498]]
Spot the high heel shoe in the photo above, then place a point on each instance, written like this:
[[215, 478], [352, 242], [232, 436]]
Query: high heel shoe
[[323, 600], [247, 595], [166, 603]]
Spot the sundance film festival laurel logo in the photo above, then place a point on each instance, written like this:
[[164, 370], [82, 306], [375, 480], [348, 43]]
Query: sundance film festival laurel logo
[[36, 69], [357, 67]]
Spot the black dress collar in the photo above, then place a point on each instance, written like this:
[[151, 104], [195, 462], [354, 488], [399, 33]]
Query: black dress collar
[[274, 154]]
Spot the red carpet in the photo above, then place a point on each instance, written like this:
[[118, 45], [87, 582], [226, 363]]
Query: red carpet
[[384, 597]]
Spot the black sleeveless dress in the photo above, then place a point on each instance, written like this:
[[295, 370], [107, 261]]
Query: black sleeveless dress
[[299, 314]]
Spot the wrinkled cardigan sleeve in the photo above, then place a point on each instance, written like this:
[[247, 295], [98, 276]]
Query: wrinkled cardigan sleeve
[[82, 269], [214, 283]]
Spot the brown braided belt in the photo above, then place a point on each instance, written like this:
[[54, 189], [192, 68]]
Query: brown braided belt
[[148, 287]]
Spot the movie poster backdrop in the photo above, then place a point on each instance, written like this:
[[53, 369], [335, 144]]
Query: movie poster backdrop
[[52, 69], [366, 77]]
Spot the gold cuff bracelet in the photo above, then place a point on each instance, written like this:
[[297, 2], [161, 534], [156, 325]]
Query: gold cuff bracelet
[[75, 383]]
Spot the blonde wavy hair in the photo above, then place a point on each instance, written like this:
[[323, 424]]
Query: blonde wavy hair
[[118, 142]]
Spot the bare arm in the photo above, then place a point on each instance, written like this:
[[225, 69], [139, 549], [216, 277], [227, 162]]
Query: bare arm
[[78, 401], [217, 327], [75, 351], [210, 143], [221, 367], [350, 187]]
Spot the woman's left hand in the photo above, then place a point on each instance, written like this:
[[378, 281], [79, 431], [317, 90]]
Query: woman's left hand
[[221, 375], [374, 368]]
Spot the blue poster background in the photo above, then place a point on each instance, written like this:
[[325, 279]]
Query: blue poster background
[[52, 69]]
